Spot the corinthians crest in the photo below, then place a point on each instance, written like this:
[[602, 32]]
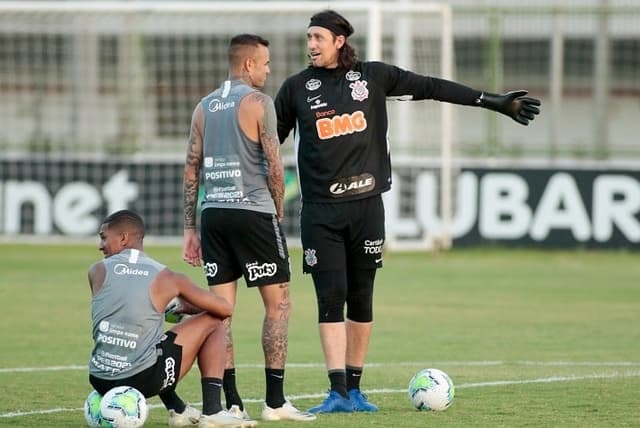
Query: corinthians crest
[[359, 91], [310, 257]]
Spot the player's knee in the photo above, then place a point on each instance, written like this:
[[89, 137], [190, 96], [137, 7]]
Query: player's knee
[[277, 302], [330, 310], [360, 295], [360, 311], [331, 293]]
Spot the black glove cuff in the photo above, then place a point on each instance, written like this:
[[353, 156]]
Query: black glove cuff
[[491, 101]]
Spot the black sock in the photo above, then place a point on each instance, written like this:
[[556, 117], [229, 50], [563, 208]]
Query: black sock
[[275, 387], [211, 387], [338, 379], [231, 395], [171, 401], [353, 377]]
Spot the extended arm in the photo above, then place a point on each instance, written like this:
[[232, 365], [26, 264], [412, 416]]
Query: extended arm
[[402, 83], [514, 104]]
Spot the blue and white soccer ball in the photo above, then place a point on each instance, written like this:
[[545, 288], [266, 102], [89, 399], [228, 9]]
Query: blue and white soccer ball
[[123, 407], [92, 409], [431, 389]]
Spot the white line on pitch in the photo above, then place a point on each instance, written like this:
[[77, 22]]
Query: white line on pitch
[[399, 364], [613, 375]]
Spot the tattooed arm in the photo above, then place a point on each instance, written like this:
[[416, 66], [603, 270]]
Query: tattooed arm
[[268, 134], [191, 252]]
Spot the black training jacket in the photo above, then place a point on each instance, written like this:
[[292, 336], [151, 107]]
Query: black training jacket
[[340, 122]]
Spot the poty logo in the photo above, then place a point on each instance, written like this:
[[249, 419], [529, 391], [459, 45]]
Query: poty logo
[[217, 105], [210, 269], [122, 269], [169, 372], [260, 271]]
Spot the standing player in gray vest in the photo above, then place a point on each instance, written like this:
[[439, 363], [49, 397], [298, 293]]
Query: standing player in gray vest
[[234, 147], [130, 293]]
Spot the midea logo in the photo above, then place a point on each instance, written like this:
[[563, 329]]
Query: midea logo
[[122, 269]]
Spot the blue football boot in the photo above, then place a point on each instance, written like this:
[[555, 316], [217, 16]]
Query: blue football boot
[[360, 402], [334, 403]]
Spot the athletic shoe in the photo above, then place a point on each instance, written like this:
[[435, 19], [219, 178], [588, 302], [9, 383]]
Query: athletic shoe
[[360, 402], [187, 418], [224, 419], [240, 414], [334, 403], [286, 413]]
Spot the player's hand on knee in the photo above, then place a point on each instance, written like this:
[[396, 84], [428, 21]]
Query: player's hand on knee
[[514, 104]]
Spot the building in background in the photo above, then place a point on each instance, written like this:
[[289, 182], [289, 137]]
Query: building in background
[[98, 95]]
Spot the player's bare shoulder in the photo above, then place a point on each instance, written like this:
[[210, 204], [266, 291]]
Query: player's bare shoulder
[[260, 101], [96, 276]]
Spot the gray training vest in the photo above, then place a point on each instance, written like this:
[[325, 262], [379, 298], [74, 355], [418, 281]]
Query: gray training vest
[[126, 326], [234, 168]]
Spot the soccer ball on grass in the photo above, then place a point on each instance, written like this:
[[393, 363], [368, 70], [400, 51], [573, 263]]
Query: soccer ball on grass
[[431, 389], [92, 409], [123, 407]]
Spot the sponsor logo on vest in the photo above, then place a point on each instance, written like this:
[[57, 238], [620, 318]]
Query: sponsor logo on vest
[[257, 271], [218, 105], [344, 124], [216, 175], [352, 185], [118, 341], [122, 269]]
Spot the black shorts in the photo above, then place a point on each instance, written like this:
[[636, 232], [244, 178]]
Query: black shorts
[[341, 234], [245, 243], [160, 377]]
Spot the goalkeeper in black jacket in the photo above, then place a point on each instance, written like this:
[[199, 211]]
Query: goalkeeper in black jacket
[[337, 107]]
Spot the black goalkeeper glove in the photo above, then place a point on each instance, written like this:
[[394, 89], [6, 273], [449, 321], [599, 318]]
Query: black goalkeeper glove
[[513, 104]]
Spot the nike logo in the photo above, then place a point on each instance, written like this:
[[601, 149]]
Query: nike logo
[[311, 99], [378, 260], [218, 385], [277, 376]]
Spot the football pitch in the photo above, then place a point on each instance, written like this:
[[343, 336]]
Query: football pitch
[[529, 337]]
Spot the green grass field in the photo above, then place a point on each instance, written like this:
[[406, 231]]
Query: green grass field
[[530, 338]]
